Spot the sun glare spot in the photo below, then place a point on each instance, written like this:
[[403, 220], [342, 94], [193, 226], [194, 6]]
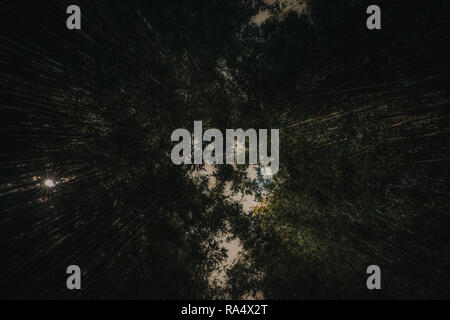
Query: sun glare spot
[[49, 183]]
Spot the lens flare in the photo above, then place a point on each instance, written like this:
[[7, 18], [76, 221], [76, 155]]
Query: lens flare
[[49, 183]]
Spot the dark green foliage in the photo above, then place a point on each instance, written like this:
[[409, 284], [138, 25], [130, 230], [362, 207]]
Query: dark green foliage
[[364, 154], [94, 110]]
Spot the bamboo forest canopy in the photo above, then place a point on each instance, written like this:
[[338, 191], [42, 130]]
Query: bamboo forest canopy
[[86, 175]]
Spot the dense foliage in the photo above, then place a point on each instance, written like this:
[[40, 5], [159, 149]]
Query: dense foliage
[[364, 132]]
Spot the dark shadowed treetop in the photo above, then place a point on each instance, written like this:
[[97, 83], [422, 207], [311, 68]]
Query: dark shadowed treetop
[[364, 153]]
